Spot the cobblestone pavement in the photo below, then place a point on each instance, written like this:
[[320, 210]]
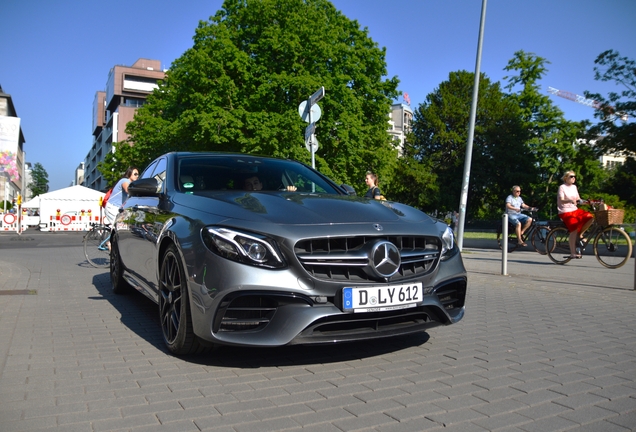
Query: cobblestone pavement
[[545, 348]]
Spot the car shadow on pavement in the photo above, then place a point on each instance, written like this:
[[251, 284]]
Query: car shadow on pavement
[[139, 314]]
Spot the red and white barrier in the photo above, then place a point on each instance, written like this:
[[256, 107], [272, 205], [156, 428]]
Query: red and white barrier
[[9, 222], [69, 222]]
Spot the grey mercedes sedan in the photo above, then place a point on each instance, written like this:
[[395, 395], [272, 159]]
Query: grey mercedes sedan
[[255, 251]]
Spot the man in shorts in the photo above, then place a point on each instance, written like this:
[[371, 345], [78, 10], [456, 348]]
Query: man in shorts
[[514, 205]]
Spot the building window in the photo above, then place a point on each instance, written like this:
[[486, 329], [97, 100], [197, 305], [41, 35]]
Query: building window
[[134, 102]]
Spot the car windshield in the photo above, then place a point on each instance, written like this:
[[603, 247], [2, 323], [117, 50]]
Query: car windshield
[[235, 172]]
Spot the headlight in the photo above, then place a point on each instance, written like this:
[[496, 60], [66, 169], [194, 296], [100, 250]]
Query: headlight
[[449, 248], [247, 248]]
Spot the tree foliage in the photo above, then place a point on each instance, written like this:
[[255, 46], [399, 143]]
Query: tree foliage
[[618, 109], [238, 89], [552, 140], [39, 180], [114, 165], [440, 134], [622, 181], [415, 179]]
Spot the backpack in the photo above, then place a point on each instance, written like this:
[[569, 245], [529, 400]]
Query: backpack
[[105, 199]]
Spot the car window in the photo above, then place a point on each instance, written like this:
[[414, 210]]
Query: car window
[[159, 174], [302, 182], [226, 172], [156, 170], [149, 169]]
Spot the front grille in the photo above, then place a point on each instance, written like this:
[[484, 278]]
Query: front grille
[[346, 259]]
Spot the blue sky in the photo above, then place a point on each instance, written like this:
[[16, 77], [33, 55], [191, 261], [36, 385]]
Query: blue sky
[[57, 54]]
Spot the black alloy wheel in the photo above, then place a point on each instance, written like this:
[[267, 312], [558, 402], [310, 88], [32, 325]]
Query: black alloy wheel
[[120, 286], [174, 306]]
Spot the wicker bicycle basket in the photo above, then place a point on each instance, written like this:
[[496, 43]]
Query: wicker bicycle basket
[[609, 217]]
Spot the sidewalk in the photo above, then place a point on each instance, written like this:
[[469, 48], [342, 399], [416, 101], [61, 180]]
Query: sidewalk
[[534, 268], [546, 347]]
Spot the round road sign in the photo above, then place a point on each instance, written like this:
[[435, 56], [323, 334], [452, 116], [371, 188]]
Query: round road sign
[[9, 218], [311, 142], [315, 112]]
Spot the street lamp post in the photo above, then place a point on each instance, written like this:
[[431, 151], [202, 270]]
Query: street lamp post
[[471, 131]]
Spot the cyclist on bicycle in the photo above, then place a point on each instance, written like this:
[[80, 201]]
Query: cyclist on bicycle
[[514, 205], [575, 219]]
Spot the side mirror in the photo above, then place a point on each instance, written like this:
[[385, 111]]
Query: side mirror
[[348, 189], [145, 187]]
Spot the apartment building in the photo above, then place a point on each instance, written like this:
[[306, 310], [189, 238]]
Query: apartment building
[[12, 178], [400, 120], [126, 90]]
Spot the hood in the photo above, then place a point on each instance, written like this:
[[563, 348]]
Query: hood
[[294, 208]]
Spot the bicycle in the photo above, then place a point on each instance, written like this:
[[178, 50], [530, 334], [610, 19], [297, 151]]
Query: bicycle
[[611, 244], [96, 246], [536, 233]]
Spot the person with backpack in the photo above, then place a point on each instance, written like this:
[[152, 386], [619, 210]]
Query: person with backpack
[[119, 194]]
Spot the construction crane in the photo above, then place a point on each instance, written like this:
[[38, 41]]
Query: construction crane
[[585, 101]]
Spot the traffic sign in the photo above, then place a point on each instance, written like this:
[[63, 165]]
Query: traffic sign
[[311, 143], [309, 130], [317, 96], [304, 112], [310, 112]]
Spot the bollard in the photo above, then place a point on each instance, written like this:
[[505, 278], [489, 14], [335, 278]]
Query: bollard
[[504, 244]]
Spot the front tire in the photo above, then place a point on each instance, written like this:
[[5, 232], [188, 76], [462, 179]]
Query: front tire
[[120, 286], [558, 245], [174, 306], [612, 247]]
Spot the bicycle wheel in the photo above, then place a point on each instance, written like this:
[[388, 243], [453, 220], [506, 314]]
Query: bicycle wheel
[[558, 246], [96, 248], [538, 240], [612, 247]]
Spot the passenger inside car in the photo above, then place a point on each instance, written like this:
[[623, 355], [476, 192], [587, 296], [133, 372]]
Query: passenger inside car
[[252, 183]]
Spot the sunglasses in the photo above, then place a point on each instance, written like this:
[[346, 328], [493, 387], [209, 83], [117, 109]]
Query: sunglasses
[[572, 176]]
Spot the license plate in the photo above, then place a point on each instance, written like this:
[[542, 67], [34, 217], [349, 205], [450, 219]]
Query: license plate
[[384, 298]]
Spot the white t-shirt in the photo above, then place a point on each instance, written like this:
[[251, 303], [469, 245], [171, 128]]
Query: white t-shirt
[[516, 202]]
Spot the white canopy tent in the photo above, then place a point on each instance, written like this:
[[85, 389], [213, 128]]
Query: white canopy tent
[[74, 201], [33, 203]]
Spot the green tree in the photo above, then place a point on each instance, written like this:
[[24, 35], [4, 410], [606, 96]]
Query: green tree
[[415, 180], [239, 86], [440, 133], [552, 140], [39, 180], [621, 183], [115, 164], [619, 135]]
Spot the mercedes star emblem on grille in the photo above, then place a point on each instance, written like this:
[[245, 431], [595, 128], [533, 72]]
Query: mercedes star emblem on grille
[[385, 258]]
